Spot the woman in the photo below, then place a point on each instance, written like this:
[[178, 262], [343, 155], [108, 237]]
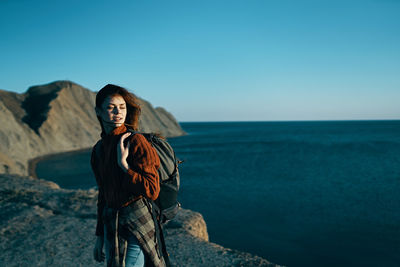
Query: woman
[[125, 166]]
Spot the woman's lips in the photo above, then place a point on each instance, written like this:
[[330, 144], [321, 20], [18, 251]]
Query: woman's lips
[[117, 119]]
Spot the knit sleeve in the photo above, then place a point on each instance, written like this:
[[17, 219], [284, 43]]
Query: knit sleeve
[[100, 197], [144, 163]]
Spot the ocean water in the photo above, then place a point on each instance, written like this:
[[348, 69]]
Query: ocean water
[[297, 193]]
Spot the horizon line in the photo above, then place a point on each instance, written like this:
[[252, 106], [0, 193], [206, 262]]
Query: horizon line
[[311, 120]]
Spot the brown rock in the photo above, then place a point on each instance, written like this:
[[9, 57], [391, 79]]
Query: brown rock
[[42, 225], [42, 121]]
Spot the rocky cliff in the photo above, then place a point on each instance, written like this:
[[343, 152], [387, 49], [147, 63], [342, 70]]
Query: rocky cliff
[[58, 117], [44, 225]]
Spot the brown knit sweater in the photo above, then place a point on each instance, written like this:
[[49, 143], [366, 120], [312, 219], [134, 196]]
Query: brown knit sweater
[[116, 187]]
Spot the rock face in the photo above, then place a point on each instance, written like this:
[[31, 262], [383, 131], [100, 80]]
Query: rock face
[[44, 225], [45, 118]]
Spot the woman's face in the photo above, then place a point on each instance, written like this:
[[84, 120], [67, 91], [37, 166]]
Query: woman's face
[[113, 111]]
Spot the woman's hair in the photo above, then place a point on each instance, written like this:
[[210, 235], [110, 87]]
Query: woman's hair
[[132, 106]]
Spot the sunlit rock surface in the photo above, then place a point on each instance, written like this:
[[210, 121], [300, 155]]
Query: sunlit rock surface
[[43, 225]]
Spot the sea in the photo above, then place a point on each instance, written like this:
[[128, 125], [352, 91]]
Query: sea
[[298, 193]]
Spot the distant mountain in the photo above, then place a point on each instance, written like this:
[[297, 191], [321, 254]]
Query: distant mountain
[[58, 117]]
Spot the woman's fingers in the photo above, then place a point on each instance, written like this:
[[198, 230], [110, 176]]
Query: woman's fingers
[[123, 137], [123, 152], [98, 255], [121, 141]]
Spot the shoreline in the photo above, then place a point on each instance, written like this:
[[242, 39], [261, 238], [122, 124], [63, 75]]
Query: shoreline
[[45, 213], [32, 163]]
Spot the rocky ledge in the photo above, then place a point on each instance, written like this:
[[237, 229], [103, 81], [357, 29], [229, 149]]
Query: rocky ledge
[[44, 225]]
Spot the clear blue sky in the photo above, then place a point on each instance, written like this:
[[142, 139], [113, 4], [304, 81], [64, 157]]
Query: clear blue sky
[[214, 60]]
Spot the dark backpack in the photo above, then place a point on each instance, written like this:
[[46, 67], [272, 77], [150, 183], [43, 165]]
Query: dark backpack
[[166, 205]]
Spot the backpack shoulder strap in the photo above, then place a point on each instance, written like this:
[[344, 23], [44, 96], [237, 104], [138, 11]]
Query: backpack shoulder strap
[[148, 136], [133, 131]]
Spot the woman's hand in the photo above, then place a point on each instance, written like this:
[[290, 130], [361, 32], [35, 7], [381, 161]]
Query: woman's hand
[[98, 253], [123, 152]]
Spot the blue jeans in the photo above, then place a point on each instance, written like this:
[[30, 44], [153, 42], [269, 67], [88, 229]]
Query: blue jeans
[[134, 253]]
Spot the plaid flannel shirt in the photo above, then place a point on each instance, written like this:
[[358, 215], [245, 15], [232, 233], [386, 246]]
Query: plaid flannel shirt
[[135, 218]]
